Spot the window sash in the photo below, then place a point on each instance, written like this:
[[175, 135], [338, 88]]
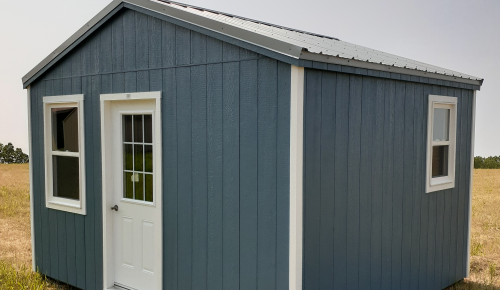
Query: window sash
[[448, 181]]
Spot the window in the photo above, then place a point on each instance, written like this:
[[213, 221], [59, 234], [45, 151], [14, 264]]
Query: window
[[138, 157], [64, 158], [441, 140]]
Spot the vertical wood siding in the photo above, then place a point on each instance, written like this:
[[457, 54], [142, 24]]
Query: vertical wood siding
[[368, 223], [226, 115]]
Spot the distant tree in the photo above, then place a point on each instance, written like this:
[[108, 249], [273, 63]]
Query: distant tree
[[492, 162], [478, 162], [9, 154]]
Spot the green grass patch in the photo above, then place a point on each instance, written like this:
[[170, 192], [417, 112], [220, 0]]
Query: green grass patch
[[21, 278]]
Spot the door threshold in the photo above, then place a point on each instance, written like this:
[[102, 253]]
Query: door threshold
[[120, 287]]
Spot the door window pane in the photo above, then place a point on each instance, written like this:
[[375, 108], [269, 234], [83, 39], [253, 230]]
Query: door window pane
[[138, 128], [439, 161], [66, 177], [128, 163], [148, 158], [148, 129], [128, 185], [127, 128], [149, 187], [64, 129], [441, 126], [139, 186], [138, 158]]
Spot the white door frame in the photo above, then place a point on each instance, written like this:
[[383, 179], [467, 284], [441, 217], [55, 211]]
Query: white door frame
[[107, 187]]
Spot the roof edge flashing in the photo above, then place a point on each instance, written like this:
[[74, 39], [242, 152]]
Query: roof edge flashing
[[257, 39], [305, 55], [249, 19]]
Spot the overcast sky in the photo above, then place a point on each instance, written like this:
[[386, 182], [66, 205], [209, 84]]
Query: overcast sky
[[461, 35]]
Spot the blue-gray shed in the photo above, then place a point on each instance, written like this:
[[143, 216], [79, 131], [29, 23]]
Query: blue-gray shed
[[176, 147]]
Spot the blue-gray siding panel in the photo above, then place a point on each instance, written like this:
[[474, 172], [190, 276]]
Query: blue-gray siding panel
[[368, 222], [226, 123]]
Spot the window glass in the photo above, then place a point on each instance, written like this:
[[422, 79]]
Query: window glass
[[66, 175], [441, 126], [139, 186], [439, 161], [149, 186], [127, 157], [148, 129], [138, 157], [148, 158], [138, 128], [128, 185], [64, 129], [127, 128]]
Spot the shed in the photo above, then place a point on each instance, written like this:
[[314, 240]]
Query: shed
[[176, 147]]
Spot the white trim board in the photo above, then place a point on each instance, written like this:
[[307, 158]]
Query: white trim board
[[296, 177], [51, 201], [30, 164], [107, 187], [473, 133]]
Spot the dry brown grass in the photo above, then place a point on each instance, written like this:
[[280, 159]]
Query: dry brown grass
[[485, 238], [15, 233]]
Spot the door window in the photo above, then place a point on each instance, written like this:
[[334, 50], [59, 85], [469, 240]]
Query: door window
[[138, 157]]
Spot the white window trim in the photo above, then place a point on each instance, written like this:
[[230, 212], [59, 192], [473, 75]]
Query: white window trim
[[445, 182], [63, 204]]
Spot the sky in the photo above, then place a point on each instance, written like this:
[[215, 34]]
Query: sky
[[460, 35]]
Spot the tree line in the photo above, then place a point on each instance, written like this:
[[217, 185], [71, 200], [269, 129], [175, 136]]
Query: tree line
[[9, 154], [492, 162]]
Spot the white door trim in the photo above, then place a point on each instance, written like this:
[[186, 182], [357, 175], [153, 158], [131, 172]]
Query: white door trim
[[296, 168], [107, 187]]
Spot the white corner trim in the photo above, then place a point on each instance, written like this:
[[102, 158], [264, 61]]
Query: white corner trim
[[296, 176], [473, 133], [131, 96], [32, 213]]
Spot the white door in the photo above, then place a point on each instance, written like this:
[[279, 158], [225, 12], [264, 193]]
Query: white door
[[135, 200]]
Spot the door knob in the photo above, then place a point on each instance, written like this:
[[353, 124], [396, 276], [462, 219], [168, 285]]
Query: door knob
[[115, 207]]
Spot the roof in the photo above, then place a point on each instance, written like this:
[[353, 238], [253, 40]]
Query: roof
[[295, 44]]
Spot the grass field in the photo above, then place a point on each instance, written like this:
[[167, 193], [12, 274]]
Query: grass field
[[15, 233]]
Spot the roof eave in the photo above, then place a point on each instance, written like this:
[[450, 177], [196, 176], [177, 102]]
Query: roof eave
[[290, 51], [268, 43], [305, 55]]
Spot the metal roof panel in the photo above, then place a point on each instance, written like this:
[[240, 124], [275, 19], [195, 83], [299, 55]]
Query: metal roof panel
[[286, 41]]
